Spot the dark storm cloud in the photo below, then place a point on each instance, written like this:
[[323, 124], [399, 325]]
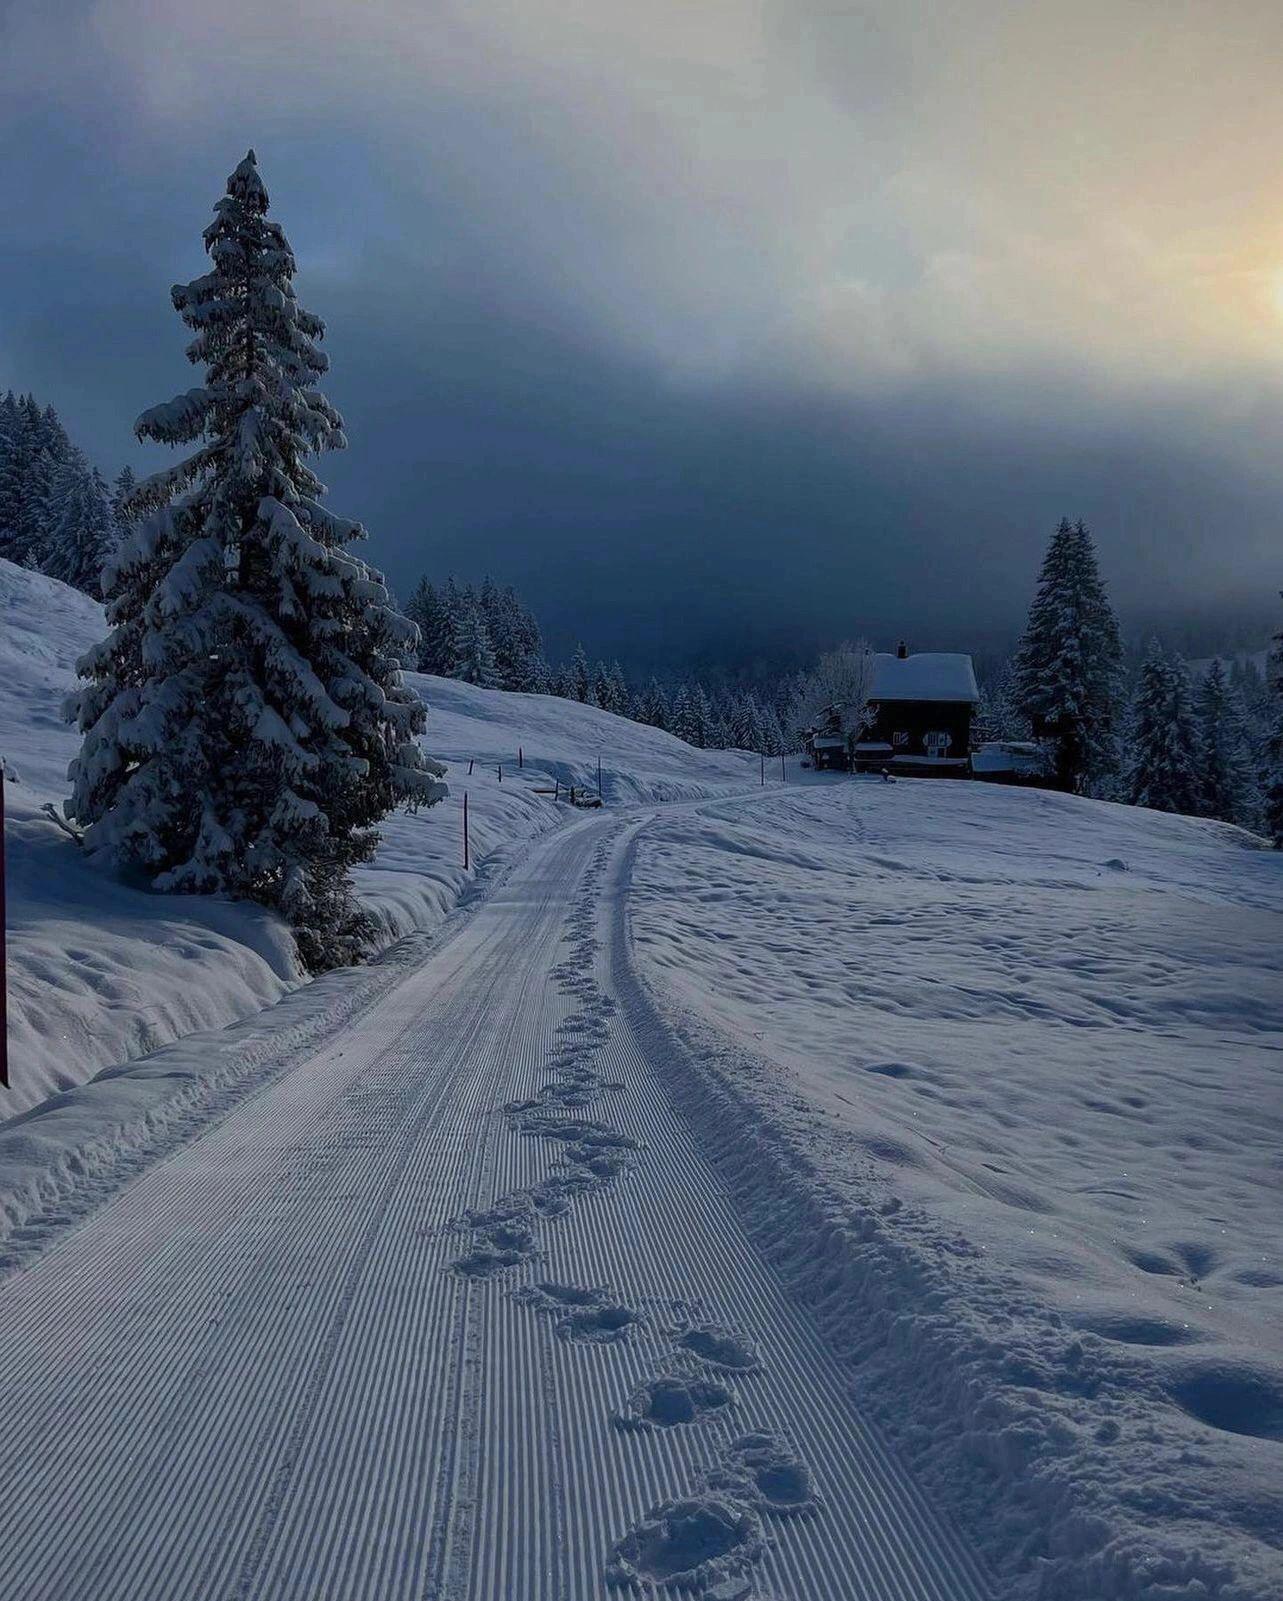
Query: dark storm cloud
[[678, 323]]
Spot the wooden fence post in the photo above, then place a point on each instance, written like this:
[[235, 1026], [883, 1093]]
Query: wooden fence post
[[471, 759], [521, 757], [501, 772]]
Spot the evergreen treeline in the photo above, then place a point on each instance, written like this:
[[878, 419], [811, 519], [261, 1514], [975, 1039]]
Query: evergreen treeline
[[57, 514], [487, 635], [1206, 748], [1141, 731]]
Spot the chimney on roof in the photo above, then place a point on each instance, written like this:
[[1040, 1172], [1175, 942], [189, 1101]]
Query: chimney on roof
[[902, 650]]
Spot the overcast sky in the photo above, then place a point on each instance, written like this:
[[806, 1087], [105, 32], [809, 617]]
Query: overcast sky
[[713, 326]]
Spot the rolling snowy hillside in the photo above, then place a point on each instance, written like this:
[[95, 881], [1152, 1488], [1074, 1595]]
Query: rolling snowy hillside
[[988, 1081], [1013, 1066], [102, 971]]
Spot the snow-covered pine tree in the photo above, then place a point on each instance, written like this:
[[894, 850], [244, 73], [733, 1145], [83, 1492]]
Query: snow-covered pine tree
[[654, 708], [1226, 777], [733, 712], [124, 486], [748, 732], [83, 531], [603, 690], [50, 450], [716, 734], [245, 722], [475, 662], [503, 615], [11, 442], [538, 675], [683, 719], [580, 676], [1163, 772], [998, 715], [1274, 744], [430, 611], [19, 439], [1068, 661], [418, 608], [707, 720], [491, 602], [530, 637], [121, 492], [772, 732]]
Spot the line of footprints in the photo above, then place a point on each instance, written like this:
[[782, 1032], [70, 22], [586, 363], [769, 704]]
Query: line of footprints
[[709, 1540]]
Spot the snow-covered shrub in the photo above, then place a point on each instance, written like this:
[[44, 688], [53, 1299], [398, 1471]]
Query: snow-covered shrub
[[842, 677]]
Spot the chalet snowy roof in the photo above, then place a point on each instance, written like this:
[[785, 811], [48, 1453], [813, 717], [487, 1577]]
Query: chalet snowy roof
[[928, 675]]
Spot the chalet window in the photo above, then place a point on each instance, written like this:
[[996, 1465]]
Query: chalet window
[[937, 742], [899, 740]]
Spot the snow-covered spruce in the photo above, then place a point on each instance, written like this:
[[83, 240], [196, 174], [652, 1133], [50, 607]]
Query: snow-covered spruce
[[475, 659], [1274, 745], [83, 530], [34, 448], [1068, 663], [245, 724], [1227, 782], [1164, 737]]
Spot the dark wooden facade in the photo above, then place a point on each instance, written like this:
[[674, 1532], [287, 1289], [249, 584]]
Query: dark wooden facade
[[933, 733]]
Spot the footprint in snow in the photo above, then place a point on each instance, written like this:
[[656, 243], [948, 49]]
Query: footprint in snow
[[763, 1469], [701, 1543], [670, 1400], [581, 1132], [582, 1316], [710, 1540], [505, 1245], [720, 1347]]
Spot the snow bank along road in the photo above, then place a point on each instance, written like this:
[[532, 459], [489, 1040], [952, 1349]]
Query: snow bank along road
[[454, 1308]]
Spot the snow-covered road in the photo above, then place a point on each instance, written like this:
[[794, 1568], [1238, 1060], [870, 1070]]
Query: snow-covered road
[[453, 1308]]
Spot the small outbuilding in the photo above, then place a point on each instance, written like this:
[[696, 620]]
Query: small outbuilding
[[829, 744], [1010, 761], [921, 707]]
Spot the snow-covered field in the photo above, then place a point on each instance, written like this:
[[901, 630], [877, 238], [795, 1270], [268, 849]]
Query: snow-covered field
[[1014, 1066], [990, 1085], [102, 971]]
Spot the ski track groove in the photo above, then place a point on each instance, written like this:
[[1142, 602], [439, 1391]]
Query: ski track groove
[[255, 1376]]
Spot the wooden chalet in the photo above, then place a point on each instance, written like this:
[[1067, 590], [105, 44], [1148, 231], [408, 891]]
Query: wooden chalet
[[920, 712]]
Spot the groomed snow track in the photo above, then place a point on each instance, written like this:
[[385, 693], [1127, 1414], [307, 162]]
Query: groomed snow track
[[454, 1309]]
